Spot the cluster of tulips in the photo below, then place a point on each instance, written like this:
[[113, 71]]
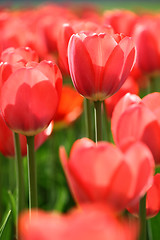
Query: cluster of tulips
[[111, 57]]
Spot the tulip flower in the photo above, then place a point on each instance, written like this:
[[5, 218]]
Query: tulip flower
[[122, 21], [93, 59], [134, 120], [30, 94], [102, 173], [68, 110], [147, 36], [65, 33], [94, 222], [152, 199], [22, 92]]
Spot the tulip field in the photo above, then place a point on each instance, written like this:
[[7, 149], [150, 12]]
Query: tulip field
[[79, 122]]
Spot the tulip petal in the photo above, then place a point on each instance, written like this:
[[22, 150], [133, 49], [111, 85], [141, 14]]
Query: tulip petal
[[79, 62], [111, 78], [99, 48]]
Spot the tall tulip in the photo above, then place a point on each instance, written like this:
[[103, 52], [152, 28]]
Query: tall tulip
[[92, 59], [30, 93]]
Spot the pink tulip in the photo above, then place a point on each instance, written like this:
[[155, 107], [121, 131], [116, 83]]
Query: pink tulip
[[134, 120], [99, 63], [102, 173], [30, 91]]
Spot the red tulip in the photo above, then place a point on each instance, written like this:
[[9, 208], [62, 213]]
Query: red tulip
[[93, 59], [7, 140], [102, 173], [30, 96], [65, 33], [122, 21], [68, 110], [152, 199], [91, 223], [147, 38], [130, 85], [134, 120]]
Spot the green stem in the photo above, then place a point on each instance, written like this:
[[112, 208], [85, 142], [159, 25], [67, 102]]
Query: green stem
[[88, 118], [106, 124], [20, 174], [149, 229], [32, 175], [142, 216], [98, 121]]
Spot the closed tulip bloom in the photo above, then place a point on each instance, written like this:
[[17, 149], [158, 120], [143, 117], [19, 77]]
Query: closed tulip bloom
[[147, 38], [122, 21], [134, 120], [99, 63], [70, 28], [102, 173], [30, 96], [152, 199], [93, 222]]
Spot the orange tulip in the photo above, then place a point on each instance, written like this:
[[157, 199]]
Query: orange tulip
[[70, 107]]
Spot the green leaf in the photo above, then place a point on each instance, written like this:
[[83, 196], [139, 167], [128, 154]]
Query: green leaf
[[12, 201], [5, 223], [154, 227]]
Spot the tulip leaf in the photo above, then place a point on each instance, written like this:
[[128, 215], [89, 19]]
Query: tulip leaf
[[4, 224], [154, 227], [13, 205]]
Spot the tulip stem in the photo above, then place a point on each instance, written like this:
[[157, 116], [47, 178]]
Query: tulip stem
[[142, 216], [32, 175], [106, 123], [98, 120], [88, 118], [19, 174]]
